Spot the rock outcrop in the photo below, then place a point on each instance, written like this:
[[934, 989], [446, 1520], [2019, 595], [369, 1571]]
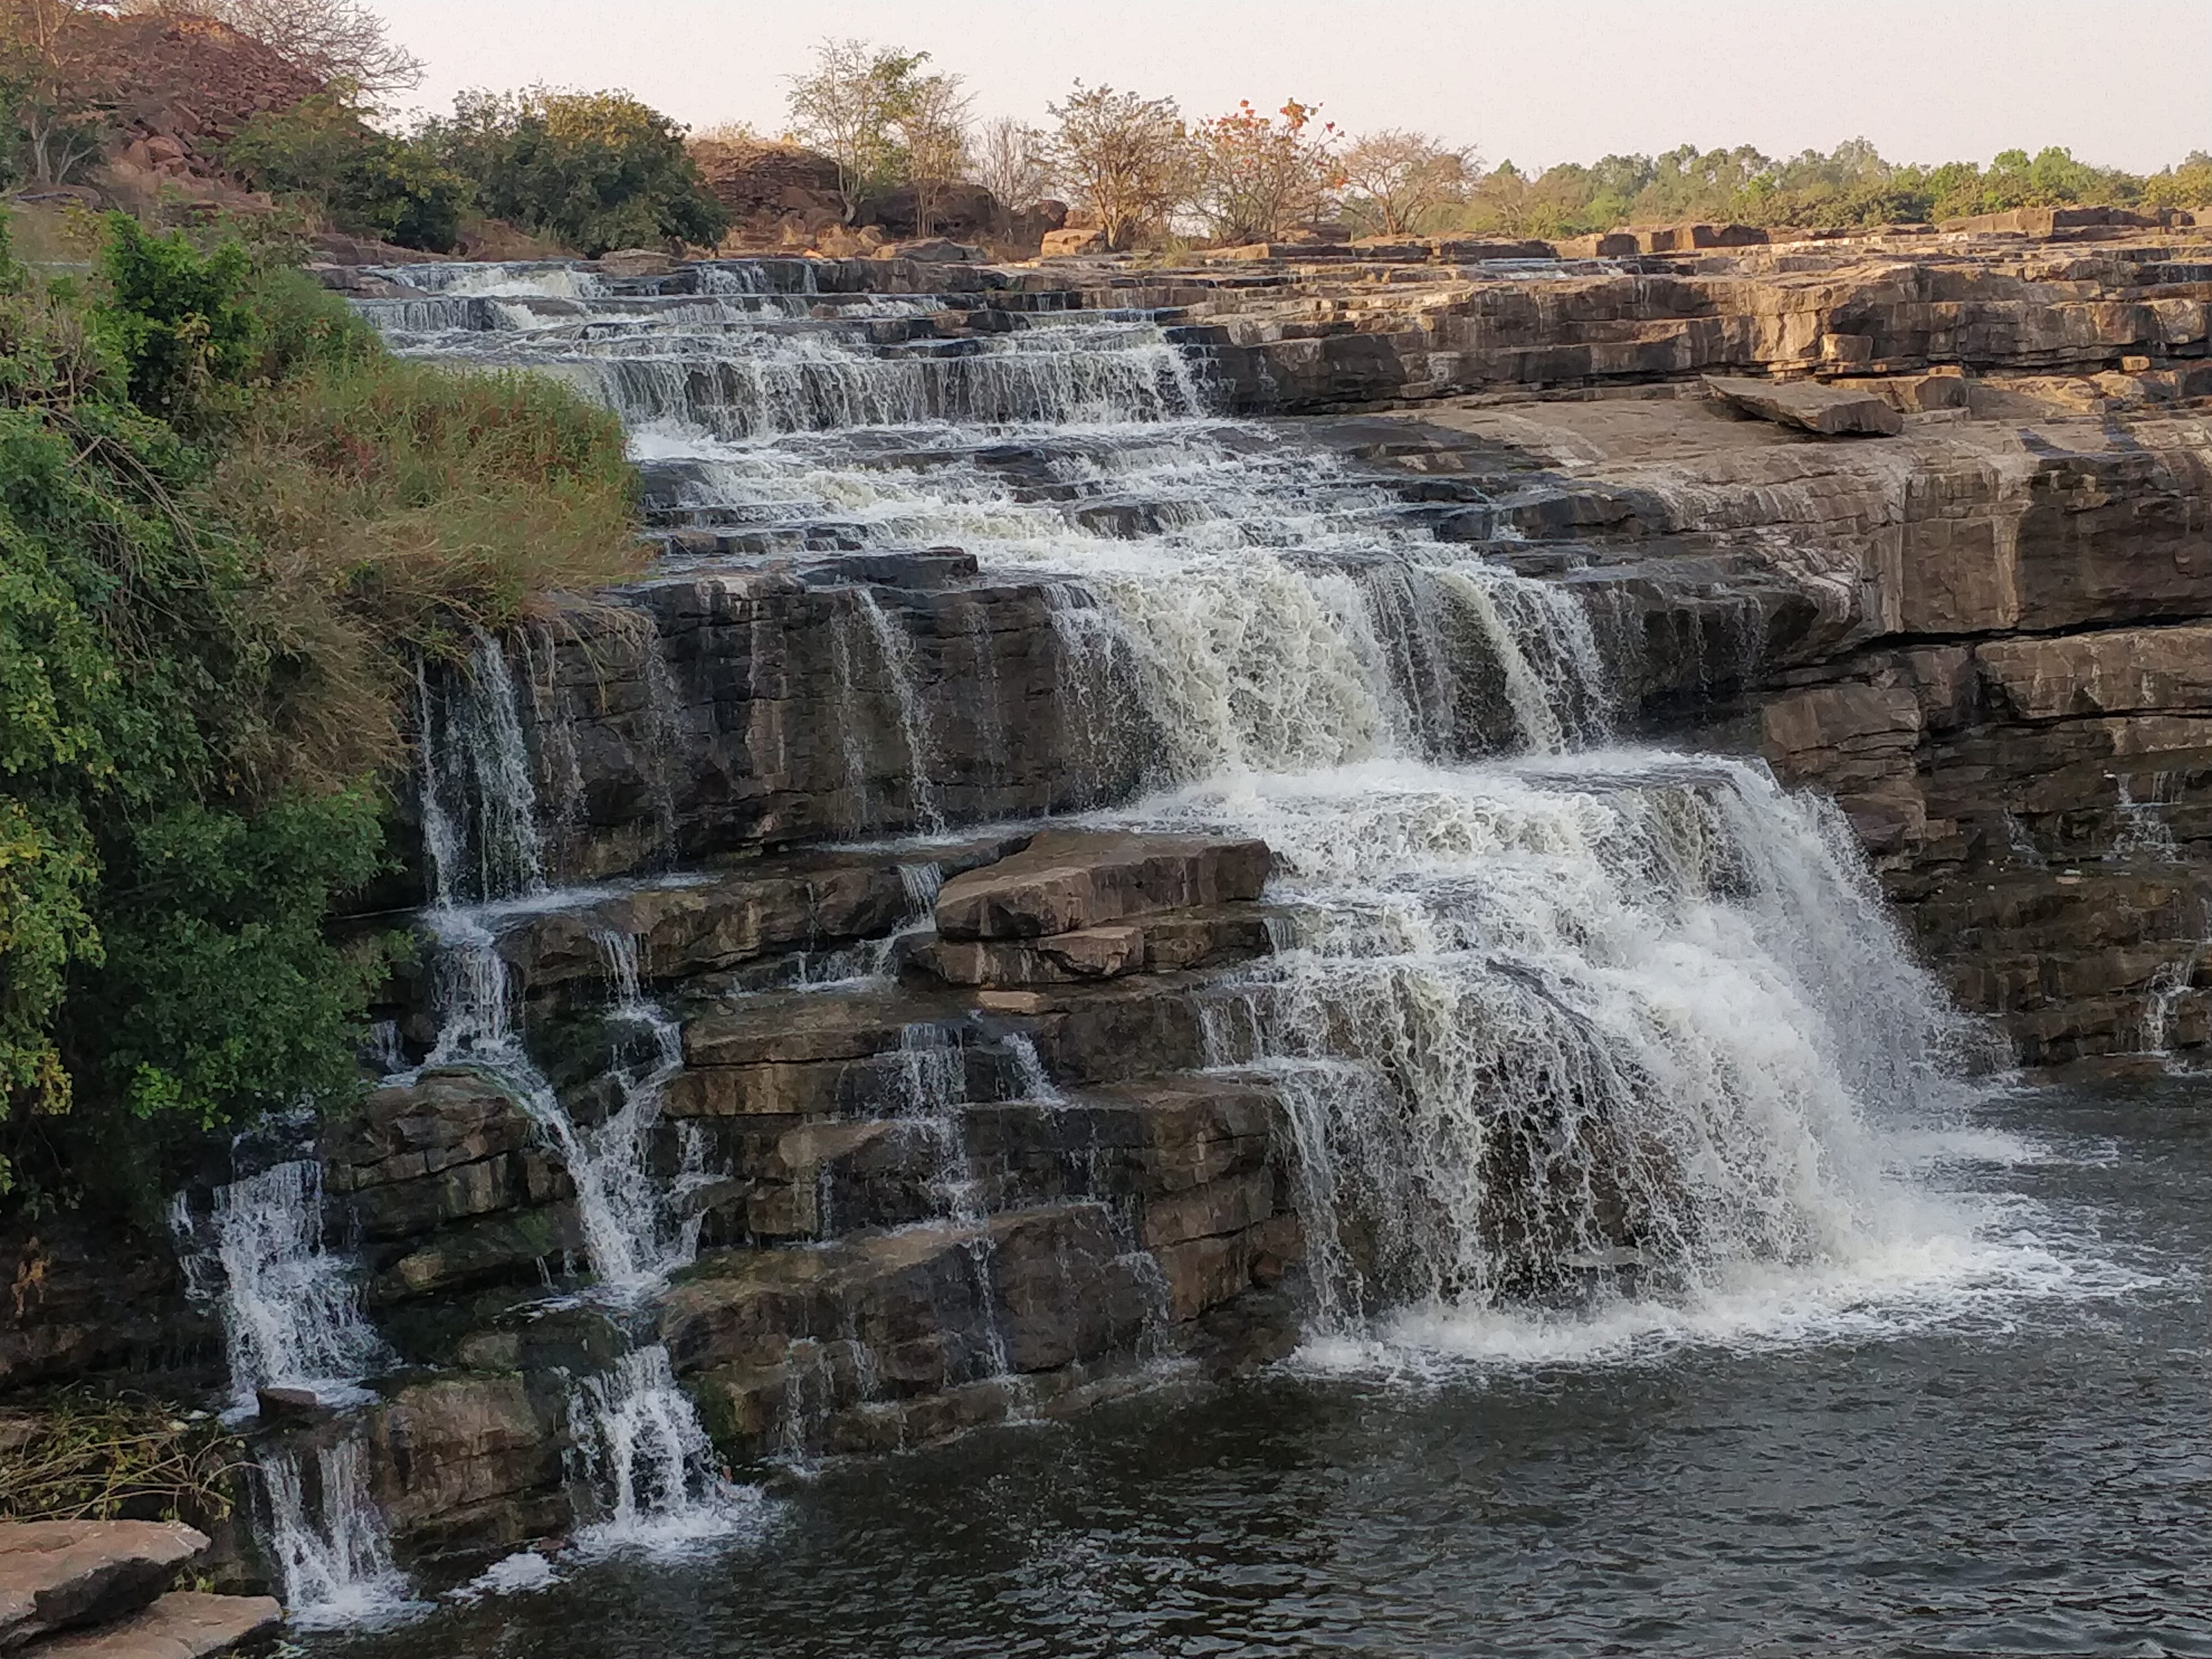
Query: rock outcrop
[[99, 1589]]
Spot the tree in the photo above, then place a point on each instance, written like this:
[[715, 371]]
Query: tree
[[851, 109], [599, 170], [1010, 163], [55, 70], [341, 43], [932, 130], [369, 183], [1256, 176], [1122, 158], [1395, 180]]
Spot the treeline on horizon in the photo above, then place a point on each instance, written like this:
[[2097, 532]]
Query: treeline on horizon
[[590, 170]]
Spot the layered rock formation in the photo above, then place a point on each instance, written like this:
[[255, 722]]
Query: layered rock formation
[[101, 1589], [950, 1132]]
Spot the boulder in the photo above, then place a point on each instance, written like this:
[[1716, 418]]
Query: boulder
[[1072, 240], [182, 1625], [1068, 880], [1166, 943], [55, 1575], [1830, 411], [931, 251]]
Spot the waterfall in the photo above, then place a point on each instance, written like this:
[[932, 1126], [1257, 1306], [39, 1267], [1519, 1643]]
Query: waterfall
[[1558, 1023], [291, 1312], [479, 803], [329, 1547], [1637, 1023], [292, 1319], [651, 1473]]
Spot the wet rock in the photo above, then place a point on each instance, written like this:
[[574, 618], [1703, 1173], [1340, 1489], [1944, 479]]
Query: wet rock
[[1068, 880], [55, 1575], [88, 1292], [450, 1146], [700, 927], [2122, 671], [514, 1247], [1166, 943], [1829, 411], [182, 1625], [469, 1460]]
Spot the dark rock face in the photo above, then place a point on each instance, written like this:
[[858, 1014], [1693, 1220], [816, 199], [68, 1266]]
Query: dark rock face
[[88, 1295], [749, 710]]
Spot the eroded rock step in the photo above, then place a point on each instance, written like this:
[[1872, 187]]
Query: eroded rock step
[[99, 1589]]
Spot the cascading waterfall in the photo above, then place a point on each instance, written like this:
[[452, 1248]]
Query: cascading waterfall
[[292, 1319], [331, 1553], [645, 1456], [291, 1311], [1582, 1023]]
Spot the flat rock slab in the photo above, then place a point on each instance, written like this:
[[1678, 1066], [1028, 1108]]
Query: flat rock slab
[[1069, 880], [182, 1625], [1830, 411], [55, 1574]]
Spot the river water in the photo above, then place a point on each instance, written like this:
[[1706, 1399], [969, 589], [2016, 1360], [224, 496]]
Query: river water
[[2009, 1462], [1671, 1289]]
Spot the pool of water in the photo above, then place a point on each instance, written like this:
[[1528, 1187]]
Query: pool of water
[[2027, 1469]]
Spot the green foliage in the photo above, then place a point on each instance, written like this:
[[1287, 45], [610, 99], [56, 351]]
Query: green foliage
[[854, 106], [227, 519], [178, 320], [369, 183], [1853, 184], [598, 170]]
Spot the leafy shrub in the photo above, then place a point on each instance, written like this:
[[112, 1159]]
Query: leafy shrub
[[599, 170], [369, 183], [228, 518]]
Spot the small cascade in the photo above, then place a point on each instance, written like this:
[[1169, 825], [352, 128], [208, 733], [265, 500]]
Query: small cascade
[[479, 802], [651, 1476], [896, 651], [327, 1540], [1632, 1026], [292, 1319], [291, 1310], [2163, 996]]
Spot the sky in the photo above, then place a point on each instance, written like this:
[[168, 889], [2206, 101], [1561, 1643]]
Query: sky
[[1533, 82]]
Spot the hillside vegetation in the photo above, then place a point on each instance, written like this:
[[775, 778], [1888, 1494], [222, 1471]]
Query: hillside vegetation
[[229, 522]]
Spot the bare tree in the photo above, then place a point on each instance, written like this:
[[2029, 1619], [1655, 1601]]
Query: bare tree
[[1396, 181], [1010, 163], [342, 43], [54, 63], [850, 108], [1257, 176], [932, 128], [1122, 158]]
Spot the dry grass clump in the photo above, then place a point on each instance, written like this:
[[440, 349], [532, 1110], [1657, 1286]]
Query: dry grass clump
[[81, 1456], [395, 508]]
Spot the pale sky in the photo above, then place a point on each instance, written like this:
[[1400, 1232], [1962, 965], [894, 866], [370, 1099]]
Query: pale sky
[[2121, 83]]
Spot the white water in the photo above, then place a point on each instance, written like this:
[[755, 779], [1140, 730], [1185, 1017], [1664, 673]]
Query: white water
[[1589, 1029], [291, 1310], [649, 1464], [332, 1556], [292, 1319]]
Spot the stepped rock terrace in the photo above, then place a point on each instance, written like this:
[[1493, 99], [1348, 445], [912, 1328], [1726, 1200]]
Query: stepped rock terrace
[[1144, 816]]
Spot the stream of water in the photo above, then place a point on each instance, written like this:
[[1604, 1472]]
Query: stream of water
[[1672, 1289]]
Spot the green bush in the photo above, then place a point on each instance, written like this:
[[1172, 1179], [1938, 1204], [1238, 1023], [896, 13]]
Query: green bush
[[369, 183], [598, 170], [227, 522]]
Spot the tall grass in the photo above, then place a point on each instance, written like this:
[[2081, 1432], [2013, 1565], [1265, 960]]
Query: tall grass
[[395, 509]]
